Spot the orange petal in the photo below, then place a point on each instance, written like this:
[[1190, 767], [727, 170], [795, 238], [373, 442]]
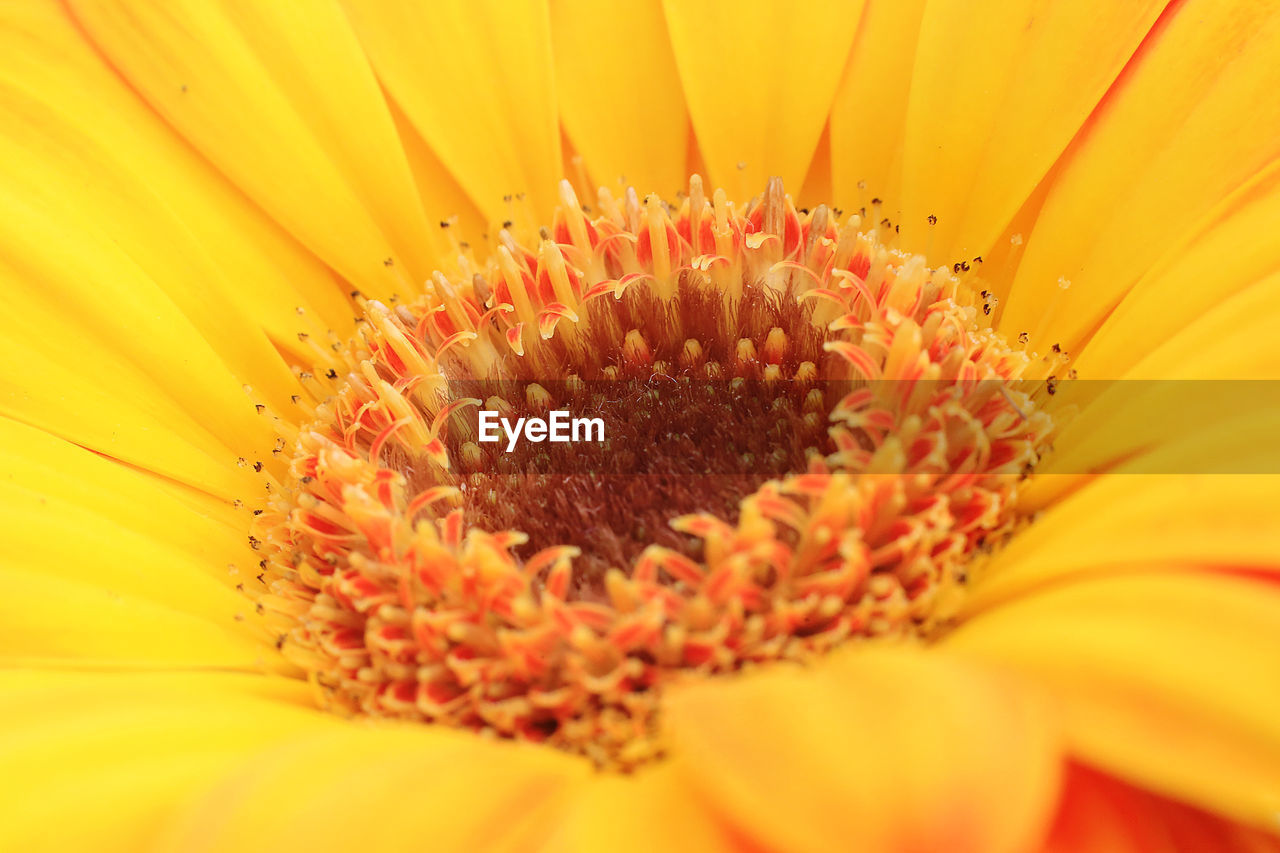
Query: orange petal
[[1104, 815], [1166, 680], [878, 749]]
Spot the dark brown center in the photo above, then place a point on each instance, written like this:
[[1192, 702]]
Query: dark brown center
[[701, 401]]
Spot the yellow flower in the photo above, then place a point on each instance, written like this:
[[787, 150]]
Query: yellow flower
[[261, 592]]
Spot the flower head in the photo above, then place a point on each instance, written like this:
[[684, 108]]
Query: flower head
[[856, 562], [876, 400]]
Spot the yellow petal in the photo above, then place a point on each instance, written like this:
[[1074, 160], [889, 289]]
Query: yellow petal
[[876, 750], [870, 106], [55, 621], [654, 809], [121, 252], [93, 290], [209, 530], [817, 183], [98, 762], [995, 98], [405, 788], [1168, 681], [1163, 522], [280, 98], [1233, 248], [625, 114], [760, 78], [108, 566], [1190, 121], [1192, 383], [476, 81], [1164, 428], [115, 539], [81, 111], [56, 538], [434, 180], [96, 399], [1235, 339]]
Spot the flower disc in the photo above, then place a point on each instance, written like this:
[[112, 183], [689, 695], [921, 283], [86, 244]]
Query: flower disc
[[808, 435]]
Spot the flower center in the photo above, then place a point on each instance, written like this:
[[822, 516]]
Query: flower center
[[806, 435], [700, 402]]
